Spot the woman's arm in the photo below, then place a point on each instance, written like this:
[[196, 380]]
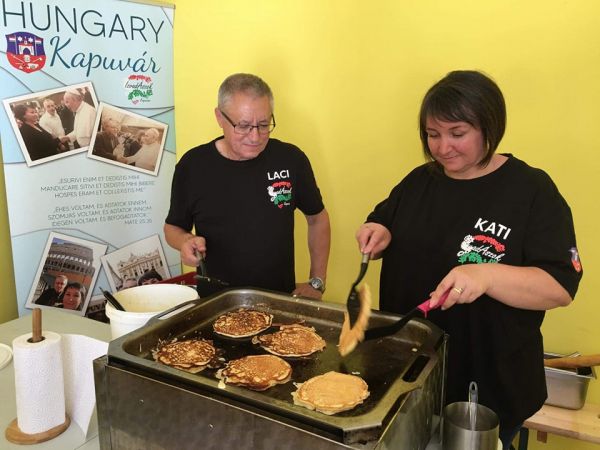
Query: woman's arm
[[520, 287]]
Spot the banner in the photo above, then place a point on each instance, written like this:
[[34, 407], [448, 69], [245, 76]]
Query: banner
[[88, 147]]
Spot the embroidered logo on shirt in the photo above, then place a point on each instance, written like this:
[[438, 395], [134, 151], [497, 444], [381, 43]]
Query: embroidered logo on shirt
[[280, 193], [575, 259], [479, 248], [473, 253]]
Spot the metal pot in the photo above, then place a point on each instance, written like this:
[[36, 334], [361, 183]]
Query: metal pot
[[463, 433]]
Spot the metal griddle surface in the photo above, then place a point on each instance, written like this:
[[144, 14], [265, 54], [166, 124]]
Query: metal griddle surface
[[384, 364]]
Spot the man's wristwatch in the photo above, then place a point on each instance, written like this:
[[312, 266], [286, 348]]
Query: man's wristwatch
[[317, 283]]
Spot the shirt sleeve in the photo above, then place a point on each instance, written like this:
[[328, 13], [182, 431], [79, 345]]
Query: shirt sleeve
[[179, 211], [551, 243], [385, 210], [308, 199]]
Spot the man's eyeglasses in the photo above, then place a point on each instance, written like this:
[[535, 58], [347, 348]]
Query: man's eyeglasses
[[243, 128]]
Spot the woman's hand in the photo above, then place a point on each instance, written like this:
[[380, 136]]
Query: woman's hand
[[373, 238], [464, 284], [520, 287]]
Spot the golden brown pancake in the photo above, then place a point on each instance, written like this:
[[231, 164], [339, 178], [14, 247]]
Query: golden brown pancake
[[191, 355], [350, 337], [331, 393], [256, 372], [242, 323], [291, 341]]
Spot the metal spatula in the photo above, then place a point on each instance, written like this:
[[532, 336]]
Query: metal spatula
[[421, 310], [207, 285], [353, 302]]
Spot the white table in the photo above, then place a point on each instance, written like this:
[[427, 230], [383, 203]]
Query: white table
[[60, 322]]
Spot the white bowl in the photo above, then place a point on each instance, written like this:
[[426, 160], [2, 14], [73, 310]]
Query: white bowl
[[141, 303]]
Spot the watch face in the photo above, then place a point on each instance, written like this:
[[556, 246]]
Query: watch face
[[316, 283]]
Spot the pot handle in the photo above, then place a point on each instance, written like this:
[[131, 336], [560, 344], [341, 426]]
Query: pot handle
[[473, 394]]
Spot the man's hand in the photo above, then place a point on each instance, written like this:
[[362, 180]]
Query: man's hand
[[306, 290], [191, 249]]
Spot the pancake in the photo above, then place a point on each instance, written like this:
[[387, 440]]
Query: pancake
[[331, 393], [191, 355], [291, 341], [242, 323], [256, 372], [350, 337]]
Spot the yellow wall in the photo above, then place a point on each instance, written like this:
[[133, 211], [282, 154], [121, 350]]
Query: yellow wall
[[348, 77]]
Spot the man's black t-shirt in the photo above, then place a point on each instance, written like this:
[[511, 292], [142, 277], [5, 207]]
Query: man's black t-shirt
[[514, 215], [245, 210]]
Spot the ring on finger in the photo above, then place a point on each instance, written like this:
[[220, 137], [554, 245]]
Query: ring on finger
[[458, 290]]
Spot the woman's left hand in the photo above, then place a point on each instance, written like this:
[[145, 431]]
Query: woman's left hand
[[464, 284]]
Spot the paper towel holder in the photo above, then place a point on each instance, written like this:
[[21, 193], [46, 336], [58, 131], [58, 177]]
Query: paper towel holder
[[13, 433], [36, 326], [16, 436]]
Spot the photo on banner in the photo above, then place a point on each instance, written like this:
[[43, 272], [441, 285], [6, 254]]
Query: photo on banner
[[136, 264], [127, 139], [66, 274], [43, 122]]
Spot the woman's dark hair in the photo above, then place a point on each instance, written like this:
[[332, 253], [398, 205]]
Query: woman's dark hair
[[80, 287], [20, 110], [466, 96], [148, 275]]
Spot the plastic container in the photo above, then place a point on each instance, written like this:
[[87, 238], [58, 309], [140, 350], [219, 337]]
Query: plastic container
[[567, 388], [142, 303]]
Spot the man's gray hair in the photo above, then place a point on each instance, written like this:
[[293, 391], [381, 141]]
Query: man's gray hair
[[246, 83], [154, 133], [74, 93]]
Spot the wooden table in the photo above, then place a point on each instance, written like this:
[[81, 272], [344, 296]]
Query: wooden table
[[582, 424]]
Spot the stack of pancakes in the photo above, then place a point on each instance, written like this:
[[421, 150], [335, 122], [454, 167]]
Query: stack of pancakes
[[291, 341], [331, 393], [242, 323], [256, 372], [192, 355]]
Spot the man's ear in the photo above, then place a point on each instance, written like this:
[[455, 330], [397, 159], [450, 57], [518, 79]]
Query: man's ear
[[219, 117]]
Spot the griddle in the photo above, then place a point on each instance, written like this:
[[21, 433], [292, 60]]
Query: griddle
[[392, 366]]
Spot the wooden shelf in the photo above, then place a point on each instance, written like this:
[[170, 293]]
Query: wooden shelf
[[582, 424]]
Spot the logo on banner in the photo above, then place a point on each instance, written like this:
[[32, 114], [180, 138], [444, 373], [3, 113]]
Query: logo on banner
[[25, 51], [139, 87]]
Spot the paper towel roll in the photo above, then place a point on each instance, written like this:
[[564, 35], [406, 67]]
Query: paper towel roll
[[39, 383]]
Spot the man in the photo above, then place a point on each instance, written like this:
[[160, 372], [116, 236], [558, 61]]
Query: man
[[50, 121], [146, 156], [52, 295], [106, 140], [85, 116], [239, 192], [149, 277]]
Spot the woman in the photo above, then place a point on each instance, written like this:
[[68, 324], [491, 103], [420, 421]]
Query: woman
[[73, 296], [491, 232], [39, 143]]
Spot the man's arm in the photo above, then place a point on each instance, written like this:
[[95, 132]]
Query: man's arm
[[187, 243], [319, 238]]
